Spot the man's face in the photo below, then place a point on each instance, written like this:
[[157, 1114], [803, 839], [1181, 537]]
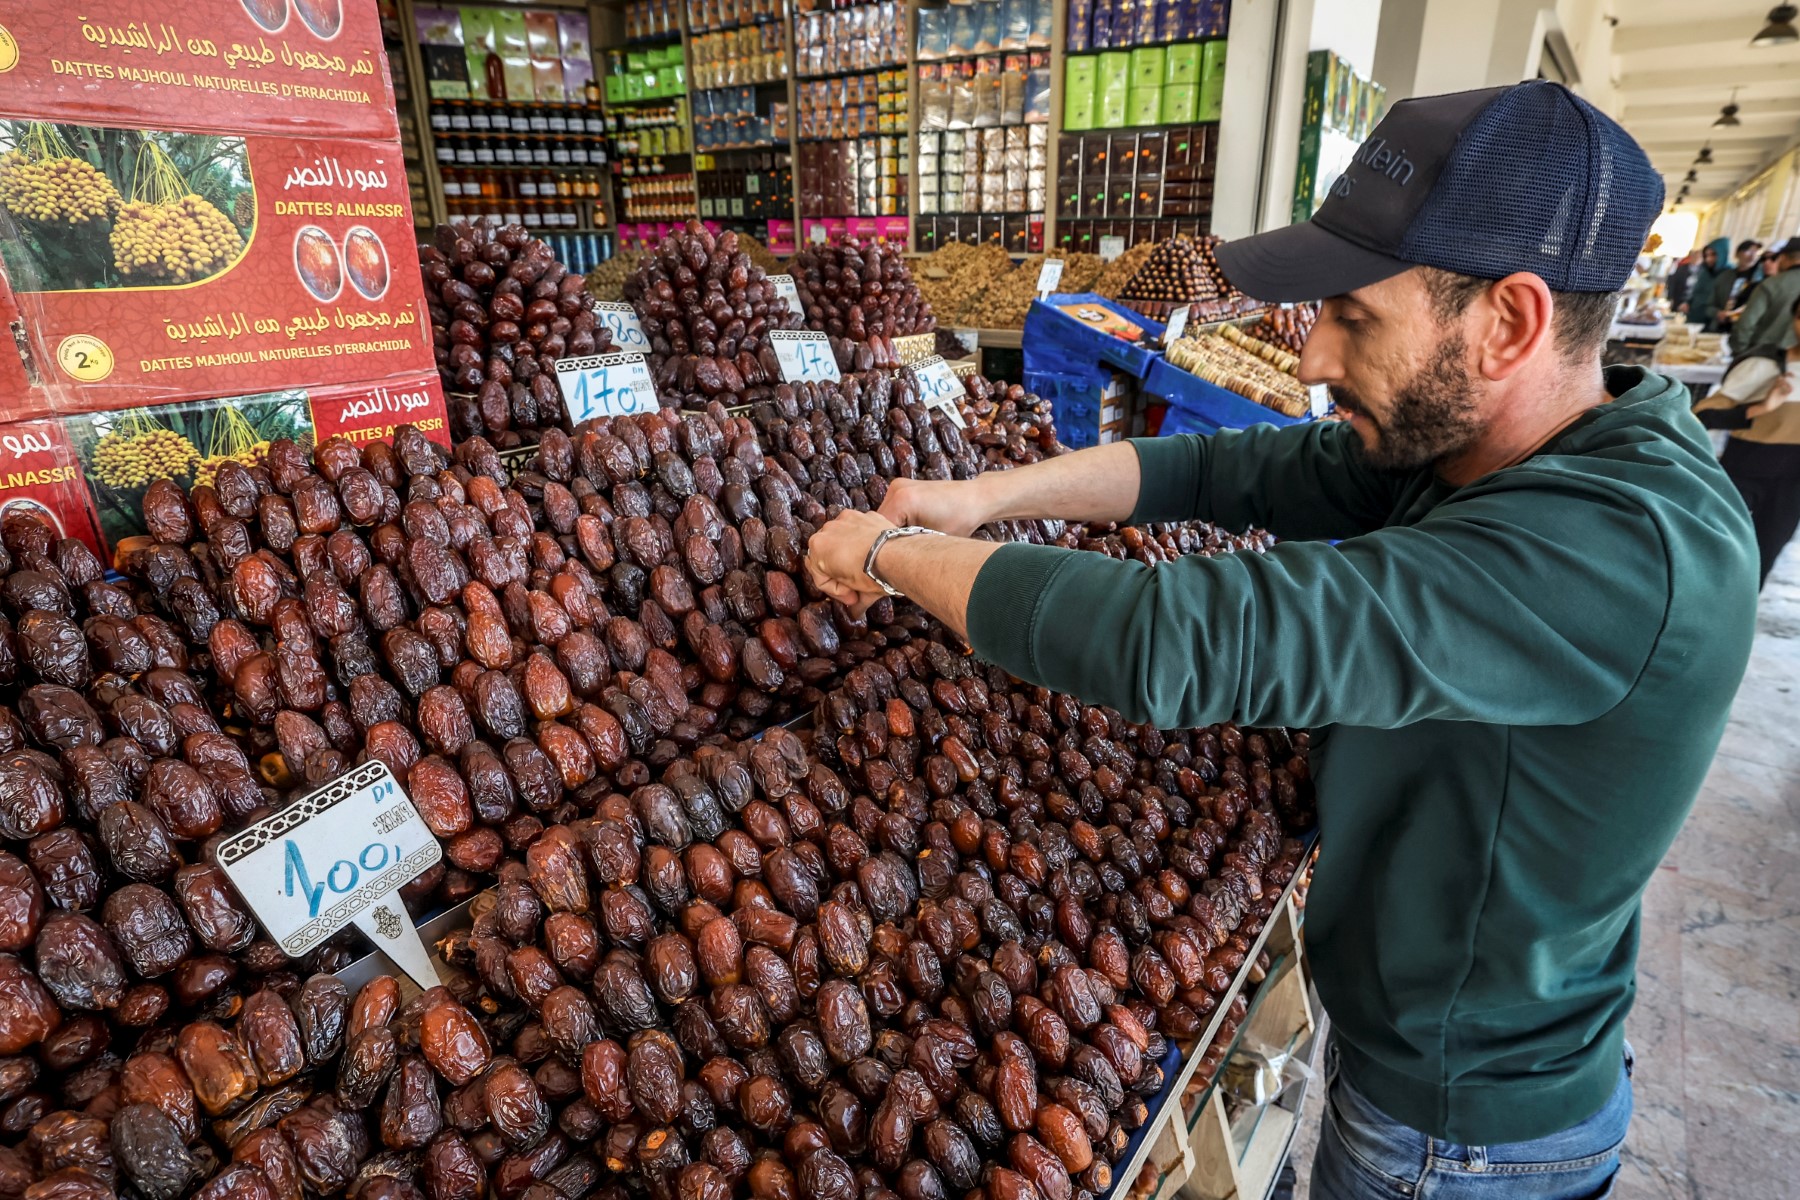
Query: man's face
[[1747, 256], [1401, 374], [1709, 257]]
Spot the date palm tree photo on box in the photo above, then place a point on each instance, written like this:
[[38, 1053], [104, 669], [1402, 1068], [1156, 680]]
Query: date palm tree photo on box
[[85, 207], [123, 453]]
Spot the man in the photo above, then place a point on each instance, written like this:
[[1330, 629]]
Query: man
[[1681, 280], [1700, 309], [1766, 318], [1731, 286], [1517, 661]]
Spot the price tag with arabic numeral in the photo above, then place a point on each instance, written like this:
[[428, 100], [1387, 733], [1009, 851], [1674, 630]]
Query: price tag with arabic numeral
[[1177, 323], [1049, 275], [335, 857], [1111, 247], [784, 287], [621, 320], [940, 388], [804, 355], [606, 385]]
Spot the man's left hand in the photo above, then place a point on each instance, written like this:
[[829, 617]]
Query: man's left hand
[[837, 552]]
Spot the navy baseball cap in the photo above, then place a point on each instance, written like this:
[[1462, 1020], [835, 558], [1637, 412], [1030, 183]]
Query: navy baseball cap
[[1529, 177]]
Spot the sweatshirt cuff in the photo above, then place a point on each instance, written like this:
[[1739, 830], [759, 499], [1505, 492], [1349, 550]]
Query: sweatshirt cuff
[[1168, 478], [1006, 604]]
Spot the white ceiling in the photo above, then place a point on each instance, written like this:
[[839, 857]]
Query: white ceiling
[[1675, 64]]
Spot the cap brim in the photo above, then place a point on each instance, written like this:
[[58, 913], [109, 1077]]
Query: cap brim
[[1301, 262]]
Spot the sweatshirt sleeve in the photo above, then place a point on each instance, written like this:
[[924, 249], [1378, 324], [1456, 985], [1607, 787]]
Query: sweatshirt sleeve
[[1302, 481], [1508, 607]]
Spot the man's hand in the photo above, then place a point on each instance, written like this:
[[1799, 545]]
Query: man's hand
[[1780, 394], [954, 508], [837, 552]]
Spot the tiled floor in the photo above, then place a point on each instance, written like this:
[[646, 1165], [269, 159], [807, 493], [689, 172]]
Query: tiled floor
[[1717, 1021]]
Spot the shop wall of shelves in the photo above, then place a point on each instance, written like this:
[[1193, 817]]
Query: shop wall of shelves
[[1262, 94]]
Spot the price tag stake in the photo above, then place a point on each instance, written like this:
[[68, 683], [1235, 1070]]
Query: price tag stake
[[1177, 323], [940, 388], [804, 355], [606, 385], [338, 857]]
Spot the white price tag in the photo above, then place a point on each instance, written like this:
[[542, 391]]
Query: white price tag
[[334, 858], [606, 385], [940, 388], [784, 287], [1320, 396], [804, 355], [621, 320], [816, 235], [1177, 323], [1111, 247], [1049, 275]]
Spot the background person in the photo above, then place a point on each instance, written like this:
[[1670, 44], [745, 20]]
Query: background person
[[1762, 455], [1766, 319], [1517, 662], [1701, 307]]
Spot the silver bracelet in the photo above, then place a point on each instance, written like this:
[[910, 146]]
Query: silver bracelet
[[882, 539]]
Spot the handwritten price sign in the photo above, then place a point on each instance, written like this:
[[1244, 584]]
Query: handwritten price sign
[[621, 320], [784, 287], [1049, 275], [940, 388], [334, 858], [606, 385], [804, 355]]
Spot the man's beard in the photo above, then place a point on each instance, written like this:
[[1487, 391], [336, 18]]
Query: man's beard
[[1433, 415]]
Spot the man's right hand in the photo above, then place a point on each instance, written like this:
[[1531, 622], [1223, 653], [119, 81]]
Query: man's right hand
[[956, 508]]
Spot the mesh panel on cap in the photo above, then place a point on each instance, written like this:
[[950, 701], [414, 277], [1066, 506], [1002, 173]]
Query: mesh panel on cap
[[1540, 182]]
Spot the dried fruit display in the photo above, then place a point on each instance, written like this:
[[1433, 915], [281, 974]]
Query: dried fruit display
[[864, 293], [1287, 326], [1004, 304], [1117, 273], [1230, 364], [607, 281], [503, 311], [706, 309], [952, 276], [1183, 270]]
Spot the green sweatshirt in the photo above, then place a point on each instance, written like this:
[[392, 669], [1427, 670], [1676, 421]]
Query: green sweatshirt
[[1516, 688]]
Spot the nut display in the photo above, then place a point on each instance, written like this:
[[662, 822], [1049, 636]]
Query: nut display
[[503, 311], [950, 277], [861, 292], [706, 309], [1004, 304], [607, 281]]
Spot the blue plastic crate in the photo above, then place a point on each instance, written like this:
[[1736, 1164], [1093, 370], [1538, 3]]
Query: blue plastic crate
[[1196, 406], [1055, 341], [1075, 403]]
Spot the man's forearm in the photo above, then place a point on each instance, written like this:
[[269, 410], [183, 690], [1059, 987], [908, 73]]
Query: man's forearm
[[936, 573], [1097, 484]]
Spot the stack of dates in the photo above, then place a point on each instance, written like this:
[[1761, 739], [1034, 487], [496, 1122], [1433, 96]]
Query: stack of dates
[[862, 297], [503, 311], [707, 310]]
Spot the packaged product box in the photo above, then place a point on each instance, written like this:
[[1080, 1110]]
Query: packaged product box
[[1181, 64], [1180, 104], [1212, 81], [1100, 35], [1080, 26], [1080, 75], [1150, 148], [1143, 106], [1112, 83], [1124, 23], [1068, 198], [1148, 64]]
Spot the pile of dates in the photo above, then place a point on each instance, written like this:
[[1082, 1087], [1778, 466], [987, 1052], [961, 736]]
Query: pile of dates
[[503, 311], [707, 310], [863, 292]]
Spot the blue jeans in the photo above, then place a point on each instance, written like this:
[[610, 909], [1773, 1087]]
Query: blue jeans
[[1366, 1155]]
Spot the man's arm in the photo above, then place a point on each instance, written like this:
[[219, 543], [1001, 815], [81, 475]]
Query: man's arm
[[1304, 481], [1743, 330], [1470, 615]]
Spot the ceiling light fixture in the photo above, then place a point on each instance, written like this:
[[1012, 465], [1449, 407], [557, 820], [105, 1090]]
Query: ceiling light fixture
[[1780, 30], [1728, 116], [1705, 156], [1692, 177]]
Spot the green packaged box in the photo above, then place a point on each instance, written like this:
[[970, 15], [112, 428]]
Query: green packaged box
[[1078, 92], [1180, 103], [637, 60], [615, 89], [1147, 67], [634, 86], [1212, 81], [667, 56], [1181, 64], [1143, 106], [1112, 86]]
